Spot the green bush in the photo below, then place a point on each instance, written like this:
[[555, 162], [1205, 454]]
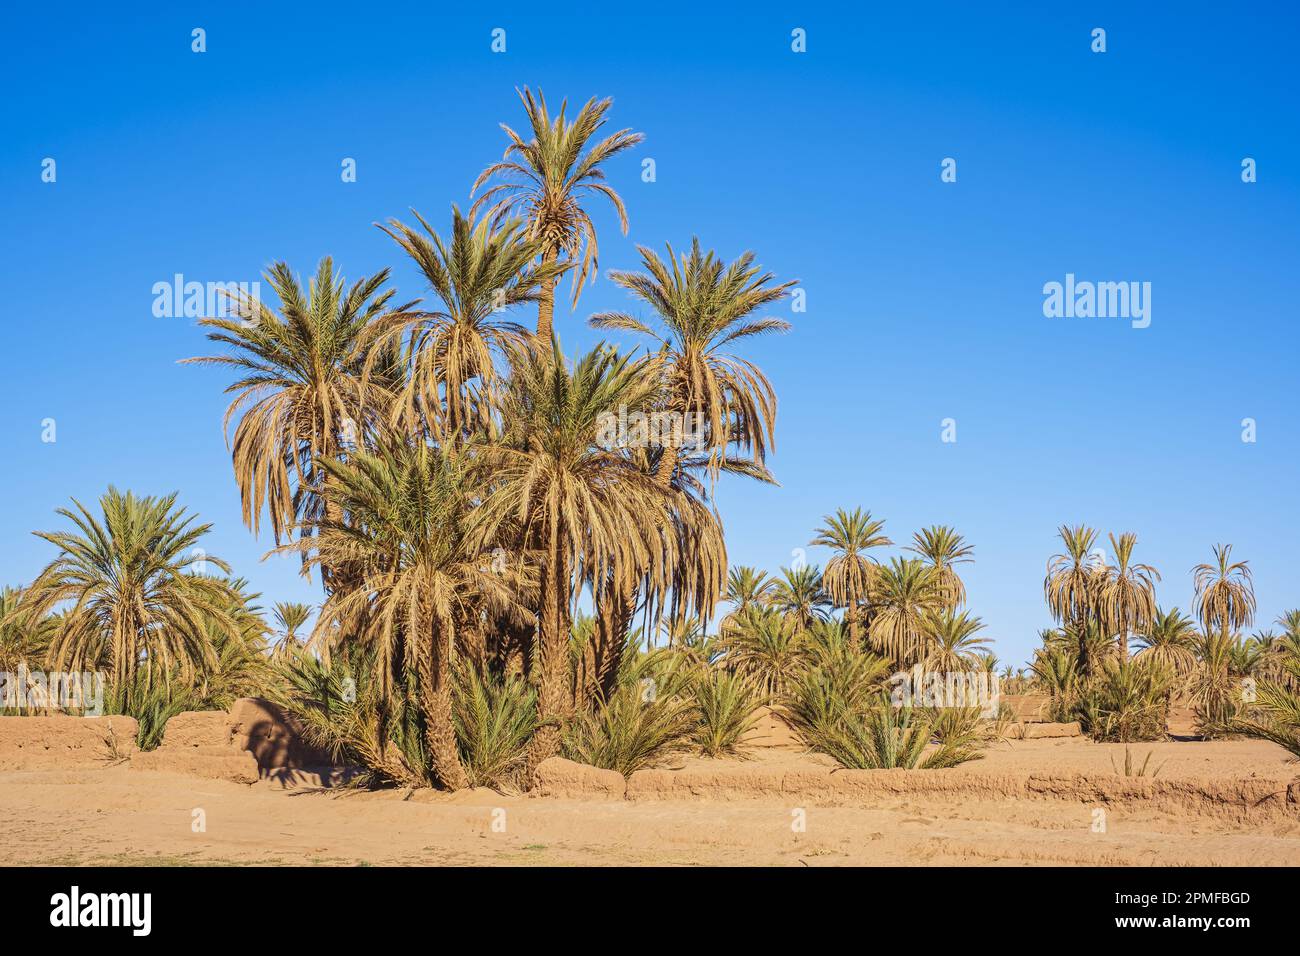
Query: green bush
[[727, 707], [495, 719]]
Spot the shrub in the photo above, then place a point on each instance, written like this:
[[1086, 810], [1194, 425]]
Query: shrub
[[727, 706], [152, 704], [342, 713], [1127, 701], [633, 729], [1274, 715], [844, 714], [495, 719], [1058, 675]]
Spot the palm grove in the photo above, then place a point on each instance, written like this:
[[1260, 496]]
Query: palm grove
[[435, 462]]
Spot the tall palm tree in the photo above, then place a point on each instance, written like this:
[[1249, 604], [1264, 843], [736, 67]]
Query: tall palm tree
[[476, 276], [906, 591], [407, 511], [546, 178], [1225, 593], [581, 508], [290, 617], [850, 534], [1170, 640], [1126, 593], [128, 578], [746, 588], [951, 642], [799, 596], [941, 547], [1070, 585], [703, 306], [301, 393]]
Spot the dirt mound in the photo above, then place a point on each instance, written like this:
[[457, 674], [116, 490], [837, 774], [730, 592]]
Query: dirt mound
[[274, 737], [197, 728], [1253, 799], [770, 731], [558, 777], [255, 738], [214, 763], [43, 743], [1029, 708]]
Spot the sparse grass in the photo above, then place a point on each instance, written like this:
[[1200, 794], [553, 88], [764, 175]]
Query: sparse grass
[[115, 752], [1130, 770]]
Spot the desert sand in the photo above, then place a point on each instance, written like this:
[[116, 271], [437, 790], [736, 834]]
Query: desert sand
[[1029, 802]]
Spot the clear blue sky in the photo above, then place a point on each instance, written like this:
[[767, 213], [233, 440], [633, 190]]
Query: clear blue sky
[[924, 298]]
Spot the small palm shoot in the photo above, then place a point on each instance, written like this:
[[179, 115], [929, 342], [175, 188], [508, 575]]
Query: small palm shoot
[[728, 710]]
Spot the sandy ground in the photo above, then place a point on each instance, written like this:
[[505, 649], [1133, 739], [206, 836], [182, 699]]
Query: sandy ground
[[122, 816]]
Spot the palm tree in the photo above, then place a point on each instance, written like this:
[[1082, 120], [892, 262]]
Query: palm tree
[[746, 588], [407, 511], [703, 307], [951, 644], [545, 179], [849, 572], [290, 617], [301, 396], [906, 590], [1170, 640], [131, 599], [765, 646], [24, 637], [942, 547], [1126, 593], [1225, 593], [243, 667], [1214, 683], [799, 597], [1284, 664], [1071, 577], [476, 277], [1057, 672], [580, 507]]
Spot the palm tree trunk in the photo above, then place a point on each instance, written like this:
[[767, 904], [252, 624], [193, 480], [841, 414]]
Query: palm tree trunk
[[667, 465], [613, 618], [853, 613], [434, 664], [546, 305], [552, 657]]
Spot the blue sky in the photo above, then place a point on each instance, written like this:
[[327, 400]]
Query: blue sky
[[924, 298]]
